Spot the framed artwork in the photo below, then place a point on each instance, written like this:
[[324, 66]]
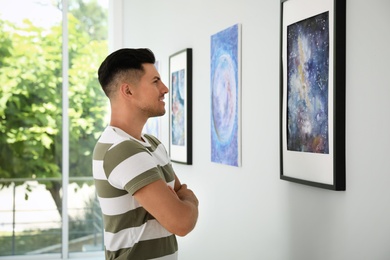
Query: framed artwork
[[180, 85], [225, 62], [312, 92]]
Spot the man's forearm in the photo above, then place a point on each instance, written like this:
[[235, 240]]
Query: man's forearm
[[190, 214]]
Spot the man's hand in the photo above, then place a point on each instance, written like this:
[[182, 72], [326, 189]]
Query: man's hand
[[176, 211], [171, 189], [186, 194]]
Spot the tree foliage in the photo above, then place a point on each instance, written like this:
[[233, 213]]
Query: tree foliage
[[90, 16], [31, 100]]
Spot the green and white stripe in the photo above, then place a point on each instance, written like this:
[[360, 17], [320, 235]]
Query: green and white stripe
[[121, 166]]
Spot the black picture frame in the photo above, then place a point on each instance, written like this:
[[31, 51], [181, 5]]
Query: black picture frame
[[312, 92], [180, 106]]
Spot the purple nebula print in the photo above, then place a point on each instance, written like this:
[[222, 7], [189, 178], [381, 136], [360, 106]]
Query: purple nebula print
[[224, 96], [307, 85]]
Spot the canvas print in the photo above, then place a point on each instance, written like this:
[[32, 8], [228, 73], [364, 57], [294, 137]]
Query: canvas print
[[178, 107], [307, 85], [225, 96]]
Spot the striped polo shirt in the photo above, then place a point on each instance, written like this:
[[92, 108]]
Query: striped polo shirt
[[121, 166]]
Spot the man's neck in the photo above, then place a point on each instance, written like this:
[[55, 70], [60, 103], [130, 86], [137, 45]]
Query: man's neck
[[132, 127]]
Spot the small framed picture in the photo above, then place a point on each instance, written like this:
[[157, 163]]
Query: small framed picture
[[180, 85], [312, 92]]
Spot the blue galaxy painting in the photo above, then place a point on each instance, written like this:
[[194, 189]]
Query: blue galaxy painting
[[225, 96], [307, 85], [178, 108]]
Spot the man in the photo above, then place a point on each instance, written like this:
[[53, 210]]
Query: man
[[144, 205]]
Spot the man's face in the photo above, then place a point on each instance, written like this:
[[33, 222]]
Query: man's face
[[150, 92]]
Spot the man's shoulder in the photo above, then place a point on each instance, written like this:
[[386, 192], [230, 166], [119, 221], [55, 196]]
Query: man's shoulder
[[152, 139], [115, 144], [109, 135]]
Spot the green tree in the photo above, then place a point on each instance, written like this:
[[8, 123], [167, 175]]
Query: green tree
[[90, 15], [93, 19], [5, 44], [31, 101]]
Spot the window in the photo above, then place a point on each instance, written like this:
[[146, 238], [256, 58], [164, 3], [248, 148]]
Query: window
[[52, 111]]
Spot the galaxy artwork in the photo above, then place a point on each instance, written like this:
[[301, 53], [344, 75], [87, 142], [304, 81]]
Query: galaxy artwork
[[307, 85], [312, 92], [225, 97], [178, 108]]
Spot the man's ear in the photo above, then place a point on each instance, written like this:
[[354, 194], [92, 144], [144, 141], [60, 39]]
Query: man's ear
[[125, 89]]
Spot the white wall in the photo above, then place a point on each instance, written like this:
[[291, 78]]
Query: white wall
[[248, 212]]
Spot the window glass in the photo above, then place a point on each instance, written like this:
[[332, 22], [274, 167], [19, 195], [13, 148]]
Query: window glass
[[87, 25], [31, 125]]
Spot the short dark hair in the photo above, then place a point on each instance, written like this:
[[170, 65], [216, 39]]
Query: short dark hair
[[120, 61]]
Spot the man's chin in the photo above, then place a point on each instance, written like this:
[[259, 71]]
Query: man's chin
[[158, 114]]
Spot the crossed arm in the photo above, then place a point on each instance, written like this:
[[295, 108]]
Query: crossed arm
[[177, 210]]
